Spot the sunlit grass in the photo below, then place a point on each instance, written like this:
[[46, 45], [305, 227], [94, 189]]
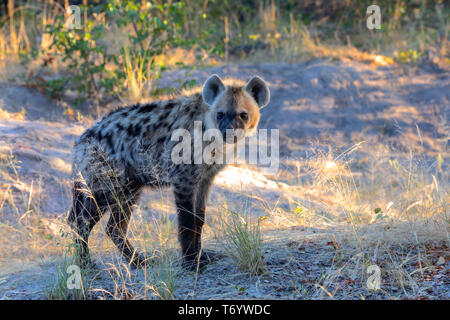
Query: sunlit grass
[[242, 240]]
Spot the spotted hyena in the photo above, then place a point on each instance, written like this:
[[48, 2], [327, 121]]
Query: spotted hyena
[[131, 148]]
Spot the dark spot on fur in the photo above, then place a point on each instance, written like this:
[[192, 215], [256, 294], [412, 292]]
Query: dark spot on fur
[[157, 125], [109, 141], [147, 108], [89, 134], [169, 106], [161, 140], [146, 120], [235, 90], [164, 116], [134, 131]]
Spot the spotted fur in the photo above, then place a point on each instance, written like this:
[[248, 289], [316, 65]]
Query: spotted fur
[[130, 148]]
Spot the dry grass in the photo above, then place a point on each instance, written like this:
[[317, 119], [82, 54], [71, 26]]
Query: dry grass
[[20, 35], [12, 115], [394, 213], [242, 241]]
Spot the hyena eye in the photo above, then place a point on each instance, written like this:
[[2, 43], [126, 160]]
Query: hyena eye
[[219, 115], [244, 116]]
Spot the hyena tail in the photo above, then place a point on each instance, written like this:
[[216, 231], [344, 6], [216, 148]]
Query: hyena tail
[[83, 216]]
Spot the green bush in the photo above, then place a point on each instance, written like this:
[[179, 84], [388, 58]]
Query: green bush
[[96, 73]]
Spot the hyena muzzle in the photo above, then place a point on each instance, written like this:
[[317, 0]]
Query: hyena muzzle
[[131, 148]]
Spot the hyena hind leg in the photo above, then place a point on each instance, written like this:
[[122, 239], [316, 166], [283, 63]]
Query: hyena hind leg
[[83, 216], [117, 228]]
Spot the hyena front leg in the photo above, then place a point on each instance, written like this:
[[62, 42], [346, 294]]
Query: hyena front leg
[[201, 197], [117, 228], [187, 230], [85, 213]]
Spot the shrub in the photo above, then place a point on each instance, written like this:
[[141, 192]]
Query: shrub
[[94, 71]]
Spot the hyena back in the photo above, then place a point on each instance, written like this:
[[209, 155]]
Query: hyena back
[[131, 148]]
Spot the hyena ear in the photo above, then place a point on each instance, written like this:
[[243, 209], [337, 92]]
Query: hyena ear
[[259, 90], [212, 88]]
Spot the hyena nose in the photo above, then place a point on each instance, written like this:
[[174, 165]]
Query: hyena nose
[[227, 126]]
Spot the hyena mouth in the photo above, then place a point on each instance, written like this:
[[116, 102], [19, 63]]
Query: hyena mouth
[[230, 139], [232, 136]]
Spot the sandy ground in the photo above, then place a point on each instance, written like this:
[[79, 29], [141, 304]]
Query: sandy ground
[[319, 103]]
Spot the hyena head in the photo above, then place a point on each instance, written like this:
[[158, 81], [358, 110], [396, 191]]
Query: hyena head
[[234, 105]]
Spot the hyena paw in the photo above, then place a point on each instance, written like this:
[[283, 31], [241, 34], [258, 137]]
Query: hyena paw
[[194, 263], [210, 256]]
